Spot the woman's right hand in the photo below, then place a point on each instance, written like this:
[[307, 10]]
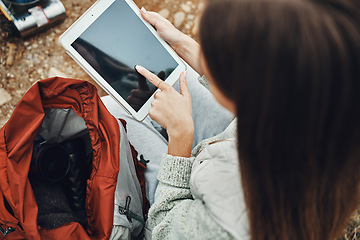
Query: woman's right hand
[[164, 28]]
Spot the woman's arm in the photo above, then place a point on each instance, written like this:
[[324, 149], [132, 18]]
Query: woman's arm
[[175, 214], [186, 47]]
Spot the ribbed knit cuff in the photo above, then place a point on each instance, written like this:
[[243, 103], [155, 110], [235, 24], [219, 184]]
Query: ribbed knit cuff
[[175, 171]]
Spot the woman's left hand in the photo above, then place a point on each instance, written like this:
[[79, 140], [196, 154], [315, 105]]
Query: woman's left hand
[[173, 111]]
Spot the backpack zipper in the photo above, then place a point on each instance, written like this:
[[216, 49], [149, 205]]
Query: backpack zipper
[[126, 211]]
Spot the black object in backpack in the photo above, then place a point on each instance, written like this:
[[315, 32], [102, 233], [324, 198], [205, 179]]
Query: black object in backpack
[[66, 163]]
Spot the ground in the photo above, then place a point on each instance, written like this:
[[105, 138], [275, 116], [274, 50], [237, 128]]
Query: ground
[[40, 56]]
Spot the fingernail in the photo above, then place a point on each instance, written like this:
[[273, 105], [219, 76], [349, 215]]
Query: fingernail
[[184, 73], [138, 68], [143, 10]]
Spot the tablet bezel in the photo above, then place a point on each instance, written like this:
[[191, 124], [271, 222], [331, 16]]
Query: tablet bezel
[[80, 26]]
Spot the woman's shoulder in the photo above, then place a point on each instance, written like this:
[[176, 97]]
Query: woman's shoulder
[[218, 158], [215, 180]]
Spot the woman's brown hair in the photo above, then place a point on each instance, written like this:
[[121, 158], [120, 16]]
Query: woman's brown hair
[[293, 69]]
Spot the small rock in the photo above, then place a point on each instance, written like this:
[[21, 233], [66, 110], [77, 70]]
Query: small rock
[[20, 92], [54, 72], [2, 121], [11, 54], [4, 96], [19, 55], [195, 28], [201, 6], [164, 12], [185, 7], [10, 75], [179, 18]]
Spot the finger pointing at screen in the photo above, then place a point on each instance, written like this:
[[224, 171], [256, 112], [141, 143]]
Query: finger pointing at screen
[[155, 80], [169, 107], [172, 110]]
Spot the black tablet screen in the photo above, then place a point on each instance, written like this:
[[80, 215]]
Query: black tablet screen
[[116, 42]]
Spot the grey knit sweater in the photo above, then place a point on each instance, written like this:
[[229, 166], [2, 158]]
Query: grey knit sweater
[[175, 213]]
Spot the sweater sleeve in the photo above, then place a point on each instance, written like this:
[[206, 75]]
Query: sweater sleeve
[[175, 214]]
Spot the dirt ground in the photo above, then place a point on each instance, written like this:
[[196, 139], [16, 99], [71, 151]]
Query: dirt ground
[[40, 56]]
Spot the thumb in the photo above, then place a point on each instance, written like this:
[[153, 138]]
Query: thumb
[[183, 85], [150, 17]]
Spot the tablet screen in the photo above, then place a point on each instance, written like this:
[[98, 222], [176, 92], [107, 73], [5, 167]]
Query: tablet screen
[[117, 41]]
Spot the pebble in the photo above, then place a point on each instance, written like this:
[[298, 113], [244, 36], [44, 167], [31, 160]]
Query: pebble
[[179, 18], [4, 96], [164, 13], [54, 72], [20, 92], [195, 28], [201, 6], [186, 7], [11, 53]]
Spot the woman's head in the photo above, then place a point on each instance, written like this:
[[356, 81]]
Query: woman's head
[[292, 67]]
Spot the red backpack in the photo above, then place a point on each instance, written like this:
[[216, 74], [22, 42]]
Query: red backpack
[[18, 204]]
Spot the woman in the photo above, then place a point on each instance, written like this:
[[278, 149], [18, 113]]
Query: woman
[[290, 72]]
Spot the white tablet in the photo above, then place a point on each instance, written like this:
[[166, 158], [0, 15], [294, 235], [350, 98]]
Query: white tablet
[[108, 40]]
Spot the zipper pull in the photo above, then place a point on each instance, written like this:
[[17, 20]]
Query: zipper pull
[[126, 209], [143, 161]]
